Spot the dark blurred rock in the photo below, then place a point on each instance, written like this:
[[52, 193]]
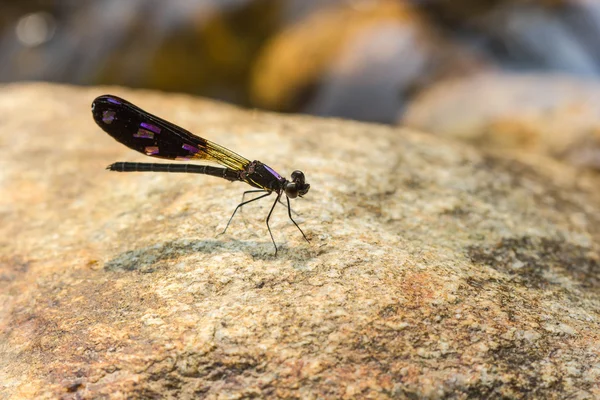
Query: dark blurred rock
[[459, 13], [209, 50], [538, 39], [434, 270], [554, 115], [358, 62], [193, 46], [550, 35]]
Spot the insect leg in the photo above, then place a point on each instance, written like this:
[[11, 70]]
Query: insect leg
[[269, 216], [290, 215], [250, 191], [242, 204], [282, 203]]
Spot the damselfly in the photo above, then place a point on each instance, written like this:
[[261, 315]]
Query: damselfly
[[155, 137]]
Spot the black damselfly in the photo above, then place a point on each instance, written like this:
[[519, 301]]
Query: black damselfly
[[155, 137]]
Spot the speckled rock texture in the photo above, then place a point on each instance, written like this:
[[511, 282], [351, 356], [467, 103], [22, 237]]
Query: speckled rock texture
[[434, 270]]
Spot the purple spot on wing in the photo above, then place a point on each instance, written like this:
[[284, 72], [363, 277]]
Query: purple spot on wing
[[114, 101], [189, 148], [142, 133], [150, 127], [150, 150], [275, 174], [108, 117]]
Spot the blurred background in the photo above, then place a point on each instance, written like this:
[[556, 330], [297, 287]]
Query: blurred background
[[507, 74]]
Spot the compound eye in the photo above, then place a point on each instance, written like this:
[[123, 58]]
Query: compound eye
[[291, 190], [304, 190], [298, 176]]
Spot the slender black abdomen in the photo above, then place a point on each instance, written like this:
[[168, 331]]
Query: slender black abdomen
[[224, 173]]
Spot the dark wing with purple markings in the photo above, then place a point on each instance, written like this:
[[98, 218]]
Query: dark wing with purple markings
[[155, 137]]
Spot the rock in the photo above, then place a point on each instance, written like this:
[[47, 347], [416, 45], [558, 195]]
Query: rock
[[359, 61], [195, 47], [569, 29], [434, 270], [509, 32], [553, 115]]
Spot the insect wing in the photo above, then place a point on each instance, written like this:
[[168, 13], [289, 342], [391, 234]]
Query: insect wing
[[155, 137]]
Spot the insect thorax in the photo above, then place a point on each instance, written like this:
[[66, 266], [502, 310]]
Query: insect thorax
[[262, 176]]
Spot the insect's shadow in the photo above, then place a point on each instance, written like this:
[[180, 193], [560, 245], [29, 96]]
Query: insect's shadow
[[151, 258]]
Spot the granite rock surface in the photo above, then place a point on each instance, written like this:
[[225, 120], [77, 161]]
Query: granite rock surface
[[434, 270]]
